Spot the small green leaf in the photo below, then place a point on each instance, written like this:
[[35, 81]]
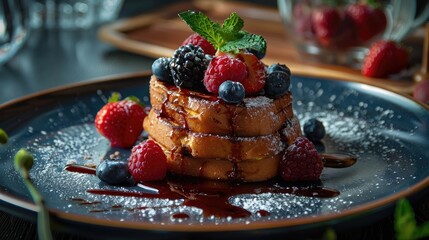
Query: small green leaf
[[3, 137], [115, 97], [405, 223], [231, 27], [247, 41], [202, 25]]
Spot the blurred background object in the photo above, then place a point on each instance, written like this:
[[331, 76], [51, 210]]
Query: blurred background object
[[73, 14], [340, 31], [13, 27]]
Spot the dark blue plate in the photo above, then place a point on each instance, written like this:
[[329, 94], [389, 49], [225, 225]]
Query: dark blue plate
[[387, 131]]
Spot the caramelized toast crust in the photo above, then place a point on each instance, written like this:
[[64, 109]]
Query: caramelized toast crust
[[202, 145], [221, 169], [205, 113]]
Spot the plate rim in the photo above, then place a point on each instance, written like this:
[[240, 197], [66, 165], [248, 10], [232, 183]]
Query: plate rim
[[211, 227]]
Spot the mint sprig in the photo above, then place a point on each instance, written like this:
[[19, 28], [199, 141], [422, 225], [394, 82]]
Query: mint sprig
[[228, 37]]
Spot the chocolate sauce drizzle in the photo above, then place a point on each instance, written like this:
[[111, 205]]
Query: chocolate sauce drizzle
[[211, 196]]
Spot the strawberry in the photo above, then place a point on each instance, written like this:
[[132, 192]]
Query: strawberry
[[197, 40], [256, 77], [385, 58], [302, 18], [120, 121], [325, 23], [368, 21]]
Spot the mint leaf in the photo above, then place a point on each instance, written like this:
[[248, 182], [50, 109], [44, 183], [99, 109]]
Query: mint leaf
[[227, 38], [247, 41], [231, 27], [202, 25], [405, 223]]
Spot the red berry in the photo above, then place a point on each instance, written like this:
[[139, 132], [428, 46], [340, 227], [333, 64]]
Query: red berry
[[256, 77], [302, 18], [301, 162], [385, 58], [368, 21], [421, 92], [147, 162], [197, 40], [120, 122], [325, 23], [222, 68]]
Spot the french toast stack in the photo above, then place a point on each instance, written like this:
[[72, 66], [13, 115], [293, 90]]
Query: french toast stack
[[206, 137]]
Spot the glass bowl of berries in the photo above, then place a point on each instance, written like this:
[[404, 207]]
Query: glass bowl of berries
[[340, 31]]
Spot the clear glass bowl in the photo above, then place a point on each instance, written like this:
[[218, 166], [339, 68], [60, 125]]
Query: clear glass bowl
[[342, 33]]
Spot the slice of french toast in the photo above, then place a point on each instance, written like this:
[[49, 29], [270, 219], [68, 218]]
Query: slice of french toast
[[223, 169], [202, 145], [205, 113]]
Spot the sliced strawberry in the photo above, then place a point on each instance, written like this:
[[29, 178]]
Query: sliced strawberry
[[256, 77]]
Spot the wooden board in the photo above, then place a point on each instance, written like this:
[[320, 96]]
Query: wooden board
[[159, 33]]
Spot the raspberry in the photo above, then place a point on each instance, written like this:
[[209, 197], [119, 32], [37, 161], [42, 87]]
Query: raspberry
[[222, 68], [301, 162], [188, 66], [147, 162], [197, 40]]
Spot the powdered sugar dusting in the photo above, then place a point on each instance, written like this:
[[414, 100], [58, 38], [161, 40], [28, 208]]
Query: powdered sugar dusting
[[356, 123], [257, 102]]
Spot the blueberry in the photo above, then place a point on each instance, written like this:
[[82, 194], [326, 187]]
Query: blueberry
[[314, 130], [161, 69], [279, 67], [258, 54], [231, 92], [277, 84], [114, 172]]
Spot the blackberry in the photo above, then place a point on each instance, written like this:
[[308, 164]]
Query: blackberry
[[314, 130], [188, 65], [161, 69]]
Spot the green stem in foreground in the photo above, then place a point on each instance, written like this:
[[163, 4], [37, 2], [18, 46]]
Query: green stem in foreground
[[3, 137], [23, 162]]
